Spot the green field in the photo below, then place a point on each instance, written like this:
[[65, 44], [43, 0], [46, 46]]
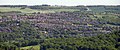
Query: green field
[[36, 47], [28, 10]]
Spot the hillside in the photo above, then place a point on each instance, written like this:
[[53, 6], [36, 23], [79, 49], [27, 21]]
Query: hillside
[[45, 27]]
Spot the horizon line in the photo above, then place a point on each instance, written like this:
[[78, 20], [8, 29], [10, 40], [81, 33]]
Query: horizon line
[[63, 5]]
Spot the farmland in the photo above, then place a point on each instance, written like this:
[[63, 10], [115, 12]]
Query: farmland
[[28, 10]]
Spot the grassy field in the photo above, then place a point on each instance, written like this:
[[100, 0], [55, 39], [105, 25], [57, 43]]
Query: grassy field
[[36, 47], [97, 9], [107, 18], [28, 10]]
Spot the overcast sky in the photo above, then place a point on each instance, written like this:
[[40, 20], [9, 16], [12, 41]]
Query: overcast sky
[[60, 2]]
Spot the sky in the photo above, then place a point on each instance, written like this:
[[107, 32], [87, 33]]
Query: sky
[[60, 2]]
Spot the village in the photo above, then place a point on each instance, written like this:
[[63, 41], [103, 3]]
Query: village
[[72, 23]]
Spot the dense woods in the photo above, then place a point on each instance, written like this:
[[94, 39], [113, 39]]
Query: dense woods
[[101, 42]]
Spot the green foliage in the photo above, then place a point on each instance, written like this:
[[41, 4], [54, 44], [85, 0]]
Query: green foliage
[[17, 38], [101, 42]]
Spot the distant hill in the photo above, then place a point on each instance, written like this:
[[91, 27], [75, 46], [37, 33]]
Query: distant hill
[[93, 8]]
